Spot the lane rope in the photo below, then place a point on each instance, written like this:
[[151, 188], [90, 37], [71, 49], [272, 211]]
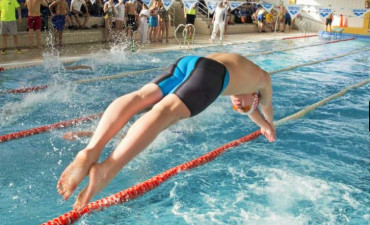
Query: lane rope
[[43, 129], [150, 184], [297, 37], [124, 74], [63, 124]]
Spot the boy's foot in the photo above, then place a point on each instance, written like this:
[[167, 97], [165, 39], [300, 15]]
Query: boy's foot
[[74, 174], [98, 179], [4, 52], [19, 52]]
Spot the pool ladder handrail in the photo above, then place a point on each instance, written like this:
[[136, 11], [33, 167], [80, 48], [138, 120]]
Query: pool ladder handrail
[[304, 27], [185, 34]]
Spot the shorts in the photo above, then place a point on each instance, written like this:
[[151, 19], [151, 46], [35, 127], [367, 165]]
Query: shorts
[[197, 81], [8, 27], [260, 18], [288, 19], [34, 22], [153, 21], [329, 21], [131, 22], [59, 22], [190, 19]]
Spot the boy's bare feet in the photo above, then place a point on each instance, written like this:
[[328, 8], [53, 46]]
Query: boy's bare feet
[[99, 178], [74, 174]]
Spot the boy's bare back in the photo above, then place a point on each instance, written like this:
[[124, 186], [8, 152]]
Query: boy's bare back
[[61, 7], [33, 7]]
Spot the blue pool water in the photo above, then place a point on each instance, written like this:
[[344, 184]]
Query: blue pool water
[[317, 171]]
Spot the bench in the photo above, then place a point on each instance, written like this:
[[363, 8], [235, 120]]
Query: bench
[[337, 32]]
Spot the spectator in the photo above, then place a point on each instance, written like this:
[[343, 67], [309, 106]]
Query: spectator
[[96, 8], [132, 17], [109, 13], [153, 23], [59, 10], [34, 20], [189, 15], [261, 19], [9, 22], [270, 20], [164, 20], [219, 20], [328, 22], [287, 21], [120, 16], [78, 11], [246, 14], [144, 15]]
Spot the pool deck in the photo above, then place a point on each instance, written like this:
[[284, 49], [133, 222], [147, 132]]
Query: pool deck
[[73, 52]]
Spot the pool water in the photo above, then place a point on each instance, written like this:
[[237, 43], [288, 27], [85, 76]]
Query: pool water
[[316, 172]]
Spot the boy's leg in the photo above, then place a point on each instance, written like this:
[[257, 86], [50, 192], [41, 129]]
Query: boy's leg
[[4, 39], [165, 113], [114, 118], [38, 36], [30, 37], [15, 38]]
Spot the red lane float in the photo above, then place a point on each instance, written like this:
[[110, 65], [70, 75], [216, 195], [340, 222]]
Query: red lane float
[[296, 37], [42, 129], [1, 69], [148, 185], [25, 90]]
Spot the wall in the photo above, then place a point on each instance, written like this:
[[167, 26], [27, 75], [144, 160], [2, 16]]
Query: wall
[[339, 7]]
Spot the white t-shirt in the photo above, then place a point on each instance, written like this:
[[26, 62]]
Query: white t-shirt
[[220, 14], [120, 10], [145, 12], [76, 4]]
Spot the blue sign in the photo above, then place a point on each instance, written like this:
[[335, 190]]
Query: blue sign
[[359, 12]]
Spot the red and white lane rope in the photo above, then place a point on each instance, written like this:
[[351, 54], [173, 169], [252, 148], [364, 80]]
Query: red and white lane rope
[[124, 74], [42, 129], [296, 37], [148, 185]]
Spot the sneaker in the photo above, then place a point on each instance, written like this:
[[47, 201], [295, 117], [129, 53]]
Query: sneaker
[[4, 52], [19, 52]]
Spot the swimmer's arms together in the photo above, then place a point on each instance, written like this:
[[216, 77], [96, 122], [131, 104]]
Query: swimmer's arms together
[[267, 109]]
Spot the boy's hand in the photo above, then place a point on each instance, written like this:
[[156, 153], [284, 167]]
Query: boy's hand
[[269, 132]]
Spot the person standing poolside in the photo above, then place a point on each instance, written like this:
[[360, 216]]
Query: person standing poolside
[[190, 15], [287, 21], [9, 23], [144, 15], [132, 17], [120, 16], [164, 20], [187, 88], [109, 13], [60, 7], [218, 20], [34, 20], [153, 23], [328, 21]]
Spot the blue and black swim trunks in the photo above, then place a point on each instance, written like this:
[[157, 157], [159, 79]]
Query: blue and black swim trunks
[[197, 81]]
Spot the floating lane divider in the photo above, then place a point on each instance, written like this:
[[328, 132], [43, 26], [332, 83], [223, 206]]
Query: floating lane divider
[[38, 130], [296, 37], [42, 129], [150, 184], [41, 87], [120, 75]]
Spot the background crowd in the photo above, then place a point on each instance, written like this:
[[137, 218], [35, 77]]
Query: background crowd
[[122, 18]]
